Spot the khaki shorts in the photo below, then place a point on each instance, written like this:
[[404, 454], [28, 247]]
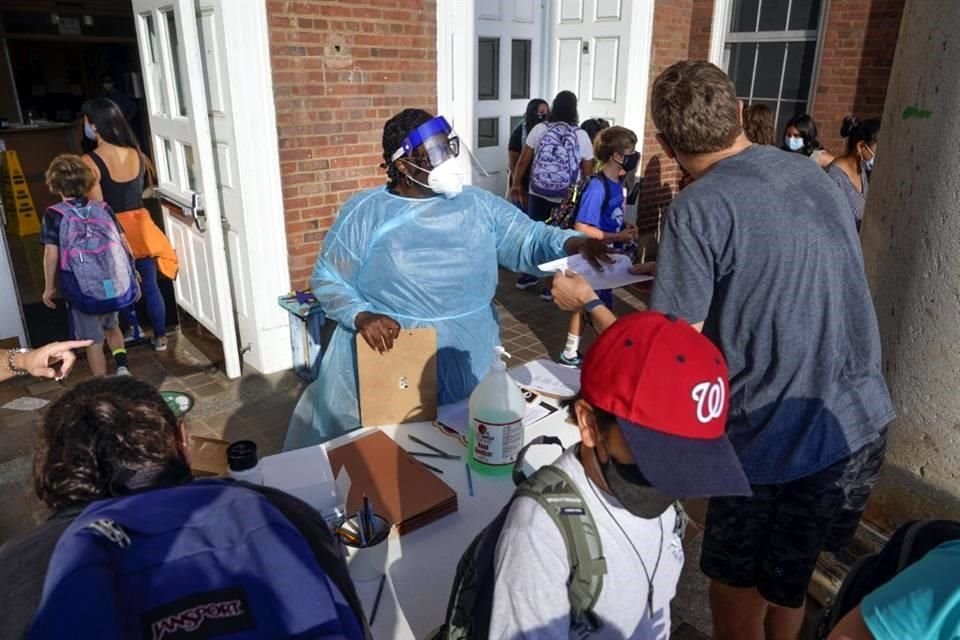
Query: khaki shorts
[[87, 326]]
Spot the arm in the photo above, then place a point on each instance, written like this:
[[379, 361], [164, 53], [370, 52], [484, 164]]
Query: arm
[[572, 293], [96, 193], [54, 360], [523, 244], [523, 163], [512, 158], [51, 259]]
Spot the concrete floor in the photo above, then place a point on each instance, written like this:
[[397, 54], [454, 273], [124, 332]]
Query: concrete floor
[[258, 406]]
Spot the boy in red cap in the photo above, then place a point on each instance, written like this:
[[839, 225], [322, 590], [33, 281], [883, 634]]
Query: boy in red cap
[[652, 414]]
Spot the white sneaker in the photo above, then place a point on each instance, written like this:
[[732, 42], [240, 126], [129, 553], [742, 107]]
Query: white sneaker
[[123, 371], [159, 343]]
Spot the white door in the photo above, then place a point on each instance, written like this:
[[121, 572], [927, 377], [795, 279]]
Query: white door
[[11, 322], [590, 45], [174, 85], [509, 74]]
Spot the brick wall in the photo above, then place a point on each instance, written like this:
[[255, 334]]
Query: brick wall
[[341, 69], [859, 40], [681, 30]]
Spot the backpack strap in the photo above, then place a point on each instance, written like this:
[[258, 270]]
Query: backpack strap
[[558, 495]]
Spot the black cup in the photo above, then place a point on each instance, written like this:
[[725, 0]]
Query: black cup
[[242, 455]]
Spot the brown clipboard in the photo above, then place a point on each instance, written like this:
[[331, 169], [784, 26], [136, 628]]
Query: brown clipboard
[[398, 386]]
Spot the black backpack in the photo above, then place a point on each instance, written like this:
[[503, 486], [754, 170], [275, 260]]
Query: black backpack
[[564, 215], [907, 545], [471, 598]]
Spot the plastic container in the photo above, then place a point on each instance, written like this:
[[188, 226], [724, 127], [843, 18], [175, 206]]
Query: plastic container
[[495, 433], [243, 463]]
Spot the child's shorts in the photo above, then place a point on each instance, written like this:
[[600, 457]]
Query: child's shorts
[[92, 326]]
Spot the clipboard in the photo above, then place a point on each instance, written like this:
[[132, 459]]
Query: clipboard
[[399, 386]]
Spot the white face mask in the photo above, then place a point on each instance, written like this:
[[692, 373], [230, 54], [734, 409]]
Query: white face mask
[[445, 179]]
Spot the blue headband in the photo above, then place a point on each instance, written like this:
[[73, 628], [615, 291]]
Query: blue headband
[[421, 134]]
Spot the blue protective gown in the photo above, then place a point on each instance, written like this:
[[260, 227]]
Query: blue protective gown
[[423, 262]]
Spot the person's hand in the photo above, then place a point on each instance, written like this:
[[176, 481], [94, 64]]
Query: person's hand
[[629, 233], [517, 195], [54, 360], [378, 330], [48, 295], [595, 251], [644, 269], [571, 292]]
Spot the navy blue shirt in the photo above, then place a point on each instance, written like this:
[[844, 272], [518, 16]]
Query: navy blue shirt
[[764, 251]]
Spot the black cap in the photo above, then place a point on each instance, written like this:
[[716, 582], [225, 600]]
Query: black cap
[[242, 455]]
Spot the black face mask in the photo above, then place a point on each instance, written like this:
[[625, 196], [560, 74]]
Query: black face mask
[[630, 162], [542, 116], [628, 485]]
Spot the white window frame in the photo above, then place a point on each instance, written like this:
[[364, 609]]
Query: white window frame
[[720, 37]]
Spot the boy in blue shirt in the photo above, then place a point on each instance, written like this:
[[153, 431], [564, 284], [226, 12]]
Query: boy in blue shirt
[[600, 214]]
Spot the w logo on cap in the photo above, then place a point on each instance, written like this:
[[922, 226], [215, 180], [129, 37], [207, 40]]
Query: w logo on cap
[[709, 397]]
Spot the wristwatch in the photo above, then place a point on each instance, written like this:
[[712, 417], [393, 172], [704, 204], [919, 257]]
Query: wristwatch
[[11, 363], [593, 304]]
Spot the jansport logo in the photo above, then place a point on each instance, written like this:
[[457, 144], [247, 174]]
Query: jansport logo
[[202, 615], [709, 397]]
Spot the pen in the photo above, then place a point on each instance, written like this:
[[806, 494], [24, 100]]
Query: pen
[[376, 601], [431, 447], [361, 528], [432, 468], [469, 478], [367, 517], [424, 454]]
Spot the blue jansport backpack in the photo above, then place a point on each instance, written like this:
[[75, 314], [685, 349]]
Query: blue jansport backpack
[[556, 161], [97, 274], [206, 559]]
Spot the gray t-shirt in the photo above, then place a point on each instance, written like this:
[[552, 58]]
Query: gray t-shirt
[[855, 199], [764, 251]]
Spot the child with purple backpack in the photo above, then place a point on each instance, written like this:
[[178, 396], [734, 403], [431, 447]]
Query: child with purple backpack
[[87, 261]]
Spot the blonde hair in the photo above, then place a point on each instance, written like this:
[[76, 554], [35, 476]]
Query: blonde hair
[[613, 140], [69, 176]]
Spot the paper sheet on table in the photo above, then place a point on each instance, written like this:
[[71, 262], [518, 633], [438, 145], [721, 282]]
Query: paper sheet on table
[[26, 404], [613, 275], [546, 376], [456, 416]]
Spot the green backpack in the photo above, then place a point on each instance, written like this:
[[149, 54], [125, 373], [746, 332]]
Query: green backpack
[[471, 599]]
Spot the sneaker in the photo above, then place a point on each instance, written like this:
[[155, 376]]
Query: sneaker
[[524, 282], [123, 371], [159, 343], [573, 363], [546, 295]]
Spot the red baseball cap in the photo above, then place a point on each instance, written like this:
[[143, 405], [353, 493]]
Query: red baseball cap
[[668, 387]]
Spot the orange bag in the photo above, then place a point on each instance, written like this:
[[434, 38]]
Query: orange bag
[[148, 241]]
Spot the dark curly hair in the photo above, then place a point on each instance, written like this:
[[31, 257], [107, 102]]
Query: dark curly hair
[[102, 438], [397, 128]]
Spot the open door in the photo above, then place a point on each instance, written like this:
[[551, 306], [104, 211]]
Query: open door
[[176, 100]]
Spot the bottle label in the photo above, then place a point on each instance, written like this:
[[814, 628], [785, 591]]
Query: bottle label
[[497, 443]]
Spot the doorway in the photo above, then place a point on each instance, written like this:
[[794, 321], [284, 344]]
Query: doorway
[[53, 57]]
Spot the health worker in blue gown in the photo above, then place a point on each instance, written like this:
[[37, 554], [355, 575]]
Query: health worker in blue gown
[[421, 252]]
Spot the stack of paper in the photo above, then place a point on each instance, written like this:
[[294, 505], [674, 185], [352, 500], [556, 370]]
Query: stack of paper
[[456, 416], [613, 275], [548, 377]]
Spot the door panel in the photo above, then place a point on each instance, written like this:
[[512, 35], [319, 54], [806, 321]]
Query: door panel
[[172, 63]]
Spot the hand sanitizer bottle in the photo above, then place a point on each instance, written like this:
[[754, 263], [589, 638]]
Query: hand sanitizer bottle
[[497, 408]]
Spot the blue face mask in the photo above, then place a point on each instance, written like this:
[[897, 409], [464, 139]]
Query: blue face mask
[[89, 132], [794, 144]]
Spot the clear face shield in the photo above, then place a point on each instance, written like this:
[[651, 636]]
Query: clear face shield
[[440, 143]]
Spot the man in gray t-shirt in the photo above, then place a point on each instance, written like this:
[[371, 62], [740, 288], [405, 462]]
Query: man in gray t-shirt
[[761, 252]]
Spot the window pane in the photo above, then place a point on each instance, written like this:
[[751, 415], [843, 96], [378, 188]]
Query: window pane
[[191, 170], [773, 15], [796, 77], [740, 68], [804, 14], [520, 69], [488, 132], [514, 121], [158, 94], [744, 15], [769, 68], [176, 56], [488, 73], [163, 153]]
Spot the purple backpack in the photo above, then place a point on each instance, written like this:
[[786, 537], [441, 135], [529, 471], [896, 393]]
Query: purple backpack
[[97, 274], [556, 161]]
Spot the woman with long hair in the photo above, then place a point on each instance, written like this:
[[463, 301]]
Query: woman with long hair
[[758, 124], [851, 171], [800, 136], [537, 111], [121, 171]]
